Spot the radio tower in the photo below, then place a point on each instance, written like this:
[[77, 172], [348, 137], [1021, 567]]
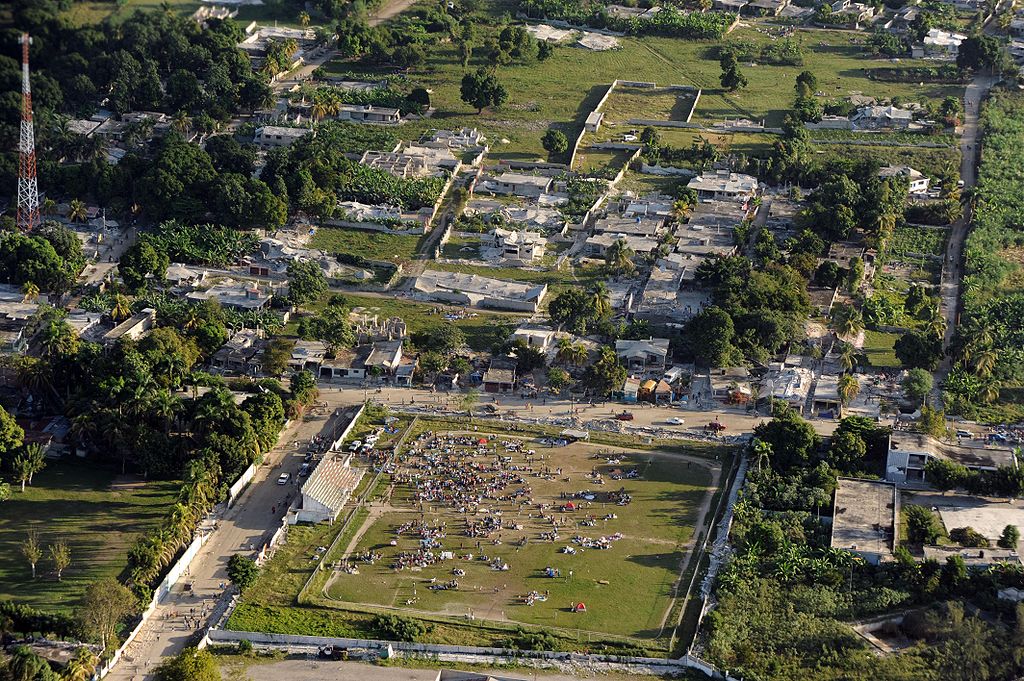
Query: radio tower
[[28, 191]]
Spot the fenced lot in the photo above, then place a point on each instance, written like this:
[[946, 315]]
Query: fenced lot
[[645, 509], [96, 512]]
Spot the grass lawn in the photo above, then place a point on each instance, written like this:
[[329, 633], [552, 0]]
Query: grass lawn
[[878, 349], [929, 161], [654, 103], [643, 564], [560, 91], [84, 506], [365, 243]]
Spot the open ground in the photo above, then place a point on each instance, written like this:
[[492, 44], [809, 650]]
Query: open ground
[[627, 587], [95, 512]]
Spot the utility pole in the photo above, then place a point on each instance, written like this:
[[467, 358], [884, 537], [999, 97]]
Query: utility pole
[[28, 190]]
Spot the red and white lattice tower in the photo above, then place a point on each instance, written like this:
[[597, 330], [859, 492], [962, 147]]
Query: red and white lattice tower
[[28, 190]]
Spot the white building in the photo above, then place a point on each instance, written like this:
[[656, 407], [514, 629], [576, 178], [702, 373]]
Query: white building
[[917, 180], [882, 117], [472, 289], [525, 247], [367, 113], [641, 356], [270, 136], [327, 489], [724, 185]]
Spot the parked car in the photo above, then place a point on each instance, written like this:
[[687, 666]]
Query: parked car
[[625, 416], [304, 470], [675, 421], [284, 478], [966, 434]]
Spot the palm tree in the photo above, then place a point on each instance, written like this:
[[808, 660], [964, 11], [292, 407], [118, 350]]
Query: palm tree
[[988, 391], [77, 211], [182, 122], [82, 666], [934, 321], [579, 355], [121, 309], [847, 354], [848, 387], [619, 257], [30, 291], [847, 321], [601, 299], [985, 362], [564, 350], [49, 206], [762, 452], [304, 19]]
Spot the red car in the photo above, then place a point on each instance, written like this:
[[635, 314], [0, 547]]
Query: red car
[[625, 416]]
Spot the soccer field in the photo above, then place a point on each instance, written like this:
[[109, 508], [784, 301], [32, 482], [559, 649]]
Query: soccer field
[[461, 507]]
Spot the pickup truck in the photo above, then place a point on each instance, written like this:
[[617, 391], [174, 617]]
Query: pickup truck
[[625, 416]]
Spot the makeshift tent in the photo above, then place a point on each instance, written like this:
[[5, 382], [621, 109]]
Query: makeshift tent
[[580, 607]]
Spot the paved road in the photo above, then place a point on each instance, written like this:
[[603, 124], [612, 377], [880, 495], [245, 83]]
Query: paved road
[[953, 266], [249, 522]]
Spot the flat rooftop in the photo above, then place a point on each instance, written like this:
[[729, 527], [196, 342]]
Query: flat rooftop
[[865, 517]]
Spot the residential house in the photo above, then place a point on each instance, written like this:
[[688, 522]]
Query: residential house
[[235, 295], [941, 44], [865, 518], [909, 454], [656, 391], [724, 185], [241, 354], [733, 6], [519, 246], [631, 390], [535, 337], [384, 357], [765, 8], [650, 226], [271, 136], [598, 244], [135, 327], [500, 376], [917, 181], [882, 117], [367, 113], [642, 356], [530, 186], [307, 356]]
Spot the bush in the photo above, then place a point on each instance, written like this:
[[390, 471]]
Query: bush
[[968, 536], [245, 646], [531, 640], [922, 525], [1010, 537], [398, 628]]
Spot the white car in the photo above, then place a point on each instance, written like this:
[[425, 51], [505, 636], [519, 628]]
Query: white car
[[675, 421], [284, 478]]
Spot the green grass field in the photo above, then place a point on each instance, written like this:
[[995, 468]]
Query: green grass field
[[365, 243], [644, 563], [82, 505], [878, 349], [540, 99]]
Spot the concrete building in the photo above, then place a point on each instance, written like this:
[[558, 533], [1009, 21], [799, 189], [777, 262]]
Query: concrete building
[[530, 186], [135, 327], [633, 225], [942, 44], [236, 295], [519, 246], [384, 357], [866, 515], [642, 356], [535, 337], [977, 558], [788, 384], [916, 180], [598, 245], [909, 453], [327, 489], [241, 354], [882, 118], [472, 289], [724, 186], [367, 113], [729, 384], [765, 8], [593, 122], [307, 356], [270, 136], [413, 162], [826, 396], [500, 376]]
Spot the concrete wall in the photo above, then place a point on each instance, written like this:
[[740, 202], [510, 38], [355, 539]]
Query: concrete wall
[[224, 636], [244, 479]]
